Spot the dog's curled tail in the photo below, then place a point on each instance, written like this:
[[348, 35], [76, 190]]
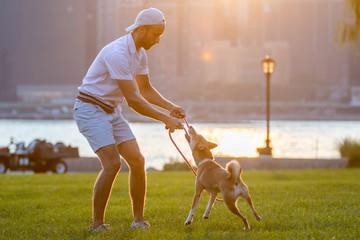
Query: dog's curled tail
[[233, 167]]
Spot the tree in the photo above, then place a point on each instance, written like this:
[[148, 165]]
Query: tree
[[349, 27]]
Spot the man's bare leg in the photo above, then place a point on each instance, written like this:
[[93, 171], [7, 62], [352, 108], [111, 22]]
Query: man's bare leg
[[130, 151], [111, 164]]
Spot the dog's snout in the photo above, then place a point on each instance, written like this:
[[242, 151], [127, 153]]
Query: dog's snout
[[192, 130]]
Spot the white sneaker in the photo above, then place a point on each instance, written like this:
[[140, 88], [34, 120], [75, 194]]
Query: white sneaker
[[140, 225], [101, 228]]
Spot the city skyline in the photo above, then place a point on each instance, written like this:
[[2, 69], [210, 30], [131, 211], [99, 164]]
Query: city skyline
[[204, 42]]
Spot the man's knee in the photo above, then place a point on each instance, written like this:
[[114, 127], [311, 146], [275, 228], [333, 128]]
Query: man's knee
[[137, 163], [113, 167], [110, 158]]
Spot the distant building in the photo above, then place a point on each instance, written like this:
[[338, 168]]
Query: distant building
[[250, 64], [45, 42], [299, 35], [226, 63], [108, 22], [355, 96], [61, 94], [280, 52], [54, 42], [221, 61], [354, 65]]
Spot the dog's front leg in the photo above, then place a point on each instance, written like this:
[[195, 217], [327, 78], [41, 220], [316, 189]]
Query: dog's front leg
[[210, 205], [196, 199], [193, 207]]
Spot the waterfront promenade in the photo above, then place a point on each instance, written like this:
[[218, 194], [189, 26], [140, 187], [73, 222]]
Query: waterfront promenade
[[92, 164], [201, 111]]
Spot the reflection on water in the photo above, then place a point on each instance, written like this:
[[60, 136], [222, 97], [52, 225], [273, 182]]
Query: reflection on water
[[304, 139], [235, 141]]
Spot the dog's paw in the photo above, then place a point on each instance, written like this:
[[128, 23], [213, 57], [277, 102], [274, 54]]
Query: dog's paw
[[187, 222], [205, 217], [247, 228], [258, 217], [246, 223]]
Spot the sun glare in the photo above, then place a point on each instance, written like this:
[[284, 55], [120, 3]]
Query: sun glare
[[235, 142], [206, 56]]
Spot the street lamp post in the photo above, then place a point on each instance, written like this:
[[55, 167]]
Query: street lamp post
[[268, 67]]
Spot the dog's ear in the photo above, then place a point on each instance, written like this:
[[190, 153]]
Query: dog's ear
[[212, 145], [200, 146], [240, 171]]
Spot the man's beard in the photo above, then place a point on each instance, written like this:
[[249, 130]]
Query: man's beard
[[148, 46]]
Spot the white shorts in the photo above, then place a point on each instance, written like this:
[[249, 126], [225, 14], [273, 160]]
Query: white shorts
[[100, 128]]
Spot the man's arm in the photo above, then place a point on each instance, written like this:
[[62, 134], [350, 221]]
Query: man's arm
[[154, 97], [138, 104]]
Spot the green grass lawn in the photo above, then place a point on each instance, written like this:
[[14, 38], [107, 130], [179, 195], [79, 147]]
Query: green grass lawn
[[303, 204]]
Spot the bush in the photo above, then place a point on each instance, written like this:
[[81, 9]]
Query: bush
[[176, 165], [350, 148]]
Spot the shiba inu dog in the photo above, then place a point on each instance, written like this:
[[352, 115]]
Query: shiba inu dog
[[214, 179]]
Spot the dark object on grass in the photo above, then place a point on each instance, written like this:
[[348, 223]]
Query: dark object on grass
[[39, 156]]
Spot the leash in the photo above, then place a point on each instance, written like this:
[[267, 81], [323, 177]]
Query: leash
[[187, 162]]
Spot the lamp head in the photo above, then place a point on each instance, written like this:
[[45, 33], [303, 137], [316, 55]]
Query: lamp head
[[268, 65]]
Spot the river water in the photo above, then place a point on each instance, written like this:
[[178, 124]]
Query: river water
[[303, 139]]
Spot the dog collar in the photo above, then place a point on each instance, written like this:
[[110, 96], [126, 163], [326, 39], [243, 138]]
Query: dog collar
[[204, 161]]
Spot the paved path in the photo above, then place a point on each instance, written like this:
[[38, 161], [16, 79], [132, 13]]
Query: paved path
[[92, 164]]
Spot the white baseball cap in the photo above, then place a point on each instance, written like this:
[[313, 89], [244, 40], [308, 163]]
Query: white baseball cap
[[150, 16]]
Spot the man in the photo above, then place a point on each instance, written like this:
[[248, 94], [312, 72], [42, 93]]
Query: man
[[121, 71]]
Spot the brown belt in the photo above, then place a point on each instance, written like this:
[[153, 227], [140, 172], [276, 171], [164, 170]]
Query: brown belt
[[90, 99]]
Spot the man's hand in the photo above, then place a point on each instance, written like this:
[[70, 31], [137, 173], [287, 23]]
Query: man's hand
[[177, 112], [173, 123]]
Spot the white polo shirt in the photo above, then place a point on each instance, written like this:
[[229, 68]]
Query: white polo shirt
[[118, 60]]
